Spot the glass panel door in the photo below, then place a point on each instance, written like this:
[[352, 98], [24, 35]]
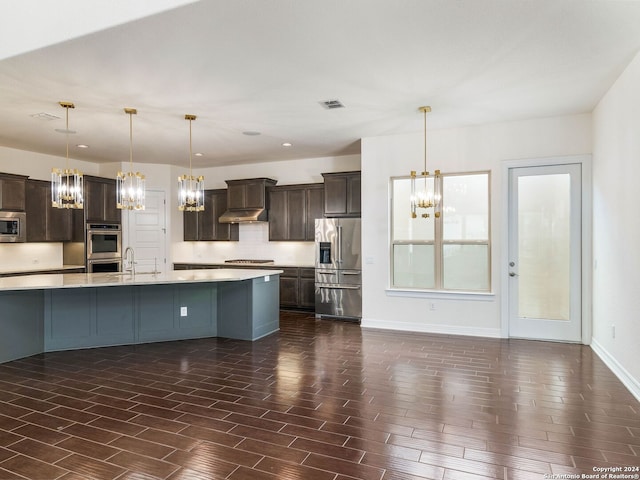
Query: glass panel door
[[545, 253]]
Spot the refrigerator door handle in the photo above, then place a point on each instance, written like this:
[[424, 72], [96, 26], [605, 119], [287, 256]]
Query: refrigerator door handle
[[340, 287], [339, 229]]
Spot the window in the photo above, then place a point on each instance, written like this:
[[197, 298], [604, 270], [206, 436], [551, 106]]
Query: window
[[447, 253]]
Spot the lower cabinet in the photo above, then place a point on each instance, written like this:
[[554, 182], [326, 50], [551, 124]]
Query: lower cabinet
[[123, 315], [297, 284], [289, 290], [307, 288]]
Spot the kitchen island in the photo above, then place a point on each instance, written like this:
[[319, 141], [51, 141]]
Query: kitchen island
[[43, 313]]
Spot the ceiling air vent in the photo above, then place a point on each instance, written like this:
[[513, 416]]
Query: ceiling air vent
[[331, 104]]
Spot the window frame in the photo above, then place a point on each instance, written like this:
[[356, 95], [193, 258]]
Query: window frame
[[438, 242]]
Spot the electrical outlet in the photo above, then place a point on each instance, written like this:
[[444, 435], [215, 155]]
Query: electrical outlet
[[183, 311], [432, 306], [613, 331]]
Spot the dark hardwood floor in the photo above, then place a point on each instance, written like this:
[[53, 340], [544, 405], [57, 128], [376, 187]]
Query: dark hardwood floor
[[319, 400]]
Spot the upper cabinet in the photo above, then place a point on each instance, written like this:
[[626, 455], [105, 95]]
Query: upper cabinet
[[293, 210], [248, 194], [342, 194], [315, 208], [44, 222], [204, 225], [12, 192], [100, 200]]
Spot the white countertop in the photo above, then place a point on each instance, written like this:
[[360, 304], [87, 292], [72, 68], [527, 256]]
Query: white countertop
[[79, 280], [242, 264]]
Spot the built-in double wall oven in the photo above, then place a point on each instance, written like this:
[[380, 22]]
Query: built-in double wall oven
[[104, 247]]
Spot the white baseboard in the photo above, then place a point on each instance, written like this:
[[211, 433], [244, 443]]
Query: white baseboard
[[441, 329], [632, 384]]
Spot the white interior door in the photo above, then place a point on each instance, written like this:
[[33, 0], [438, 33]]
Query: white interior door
[[147, 233], [545, 253]]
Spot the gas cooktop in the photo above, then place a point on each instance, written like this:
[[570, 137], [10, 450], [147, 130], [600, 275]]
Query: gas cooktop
[[250, 261]]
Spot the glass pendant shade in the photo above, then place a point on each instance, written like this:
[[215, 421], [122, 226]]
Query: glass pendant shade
[[425, 188], [130, 186], [190, 187], [67, 184], [130, 191], [66, 188], [190, 193]]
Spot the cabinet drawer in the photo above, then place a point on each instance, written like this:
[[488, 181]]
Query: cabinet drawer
[[307, 273], [289, 272]]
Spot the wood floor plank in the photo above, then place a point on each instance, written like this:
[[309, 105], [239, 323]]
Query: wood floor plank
[[318, 400]]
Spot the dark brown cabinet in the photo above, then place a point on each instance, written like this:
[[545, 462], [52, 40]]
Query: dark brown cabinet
[[307, 288], [44, 222], [315, 209], [204, 226], [100, 200], [342, 194], [293, 210], [248, 194], [297, 284], [12, 192], [289, 288]]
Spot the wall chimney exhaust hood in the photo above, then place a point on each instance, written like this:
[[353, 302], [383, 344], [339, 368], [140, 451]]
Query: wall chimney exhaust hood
[[247, 200], [244, 216]]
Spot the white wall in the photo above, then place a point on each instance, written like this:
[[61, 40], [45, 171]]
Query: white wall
[[38, 165], [616, 227], [452, 150]]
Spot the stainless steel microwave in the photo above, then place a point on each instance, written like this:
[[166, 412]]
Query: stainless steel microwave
[[13, 227]]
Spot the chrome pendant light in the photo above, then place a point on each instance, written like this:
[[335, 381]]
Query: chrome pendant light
[[130, 185], [422, 196], [66, 184], [190, 188]]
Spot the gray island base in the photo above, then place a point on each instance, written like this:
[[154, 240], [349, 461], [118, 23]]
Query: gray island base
[[44, 313]]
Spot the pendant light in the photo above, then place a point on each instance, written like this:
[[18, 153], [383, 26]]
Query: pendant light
[[425, 197], [66, 185], [190, 188], [130, 185]]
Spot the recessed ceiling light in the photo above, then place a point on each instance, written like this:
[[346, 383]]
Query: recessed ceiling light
[[82, 145], [287, 144], [251, 133], [198, 154]]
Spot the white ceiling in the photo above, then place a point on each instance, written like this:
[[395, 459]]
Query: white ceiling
[[256, 65]]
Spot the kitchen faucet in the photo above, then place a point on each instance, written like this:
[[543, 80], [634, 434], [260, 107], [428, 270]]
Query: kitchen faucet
[[129, 263]]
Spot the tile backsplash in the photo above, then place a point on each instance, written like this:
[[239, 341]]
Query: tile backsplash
[[29, 256], [253, 244]]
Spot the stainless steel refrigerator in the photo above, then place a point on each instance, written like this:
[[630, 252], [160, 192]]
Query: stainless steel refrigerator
[[338, 282]]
